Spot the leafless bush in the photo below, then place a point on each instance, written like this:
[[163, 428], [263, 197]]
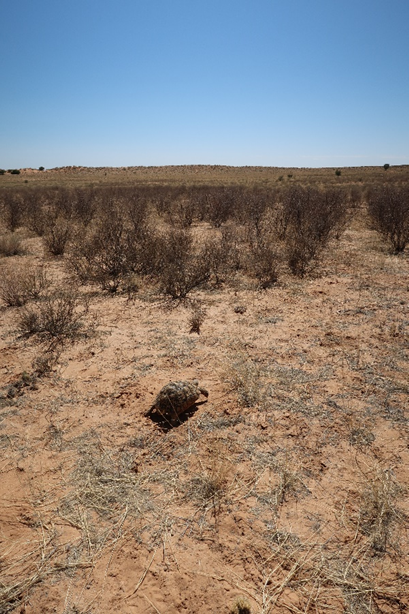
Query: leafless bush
[[11, 209], [309, 218], [221, 204], [224, 254], [35, 217], [263, 263], [102, 254], [84, 205], [355, 196], [136, 205], [57, 235], [19, 284], [182, 267], [11, 245], [252, 206], [388, 208], [58, 317], [62, 203]]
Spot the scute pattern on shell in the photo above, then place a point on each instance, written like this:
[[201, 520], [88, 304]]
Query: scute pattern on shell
[[177, 397]]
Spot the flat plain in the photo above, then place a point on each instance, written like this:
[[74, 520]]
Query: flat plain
[[287, 489]]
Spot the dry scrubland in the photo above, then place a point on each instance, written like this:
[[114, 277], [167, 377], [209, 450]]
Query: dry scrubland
[[285, 292]]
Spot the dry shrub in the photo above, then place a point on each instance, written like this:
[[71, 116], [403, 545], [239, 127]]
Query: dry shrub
[[263, 263], [182, 267], [182, 212], [136, 205], [310, 217], [224, 254], [388, 207], [57, 235], [56, 318], [19, 284], [84, 205], [103, 254], [10, 245], [222, 203], [11, 209]]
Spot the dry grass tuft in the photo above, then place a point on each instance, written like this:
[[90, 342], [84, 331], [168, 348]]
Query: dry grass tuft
[[11, 245], [57, 318], [197, 317], [19, 284], [245, 378], [210, 487], [26, 564], [106, 483], [379, 514]]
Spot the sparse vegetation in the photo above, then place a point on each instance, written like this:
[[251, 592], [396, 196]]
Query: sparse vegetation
[[245, 378], [388, 208], [11, 245], [287, 490], [181, 267], [19, 284], [379, 513], [57, 318], [57, 235], [197, 317], [310, 217]]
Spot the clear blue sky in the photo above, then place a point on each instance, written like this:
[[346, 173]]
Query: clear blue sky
[[243, 82]]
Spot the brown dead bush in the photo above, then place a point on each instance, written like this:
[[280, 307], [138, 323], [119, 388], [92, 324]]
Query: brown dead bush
[[57, 235], [11, 245], [388, 207], [310, 217], [181, 266], [57, 318], [19, 284]]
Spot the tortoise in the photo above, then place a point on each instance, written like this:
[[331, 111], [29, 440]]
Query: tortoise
[[175, 398]]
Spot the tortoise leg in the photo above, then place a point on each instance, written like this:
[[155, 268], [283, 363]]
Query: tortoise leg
[[149, 412]]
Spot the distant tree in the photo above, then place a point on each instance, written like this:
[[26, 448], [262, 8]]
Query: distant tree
[[14, 171], [338, 172], [386, 166], [41, 168], [2, 171]]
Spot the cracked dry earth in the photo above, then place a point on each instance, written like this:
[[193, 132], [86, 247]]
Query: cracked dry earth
[[287, 491]]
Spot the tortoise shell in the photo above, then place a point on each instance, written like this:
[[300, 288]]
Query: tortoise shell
[[175, 398]]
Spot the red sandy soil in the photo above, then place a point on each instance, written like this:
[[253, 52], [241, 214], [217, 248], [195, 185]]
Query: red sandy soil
[[287, 488]]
